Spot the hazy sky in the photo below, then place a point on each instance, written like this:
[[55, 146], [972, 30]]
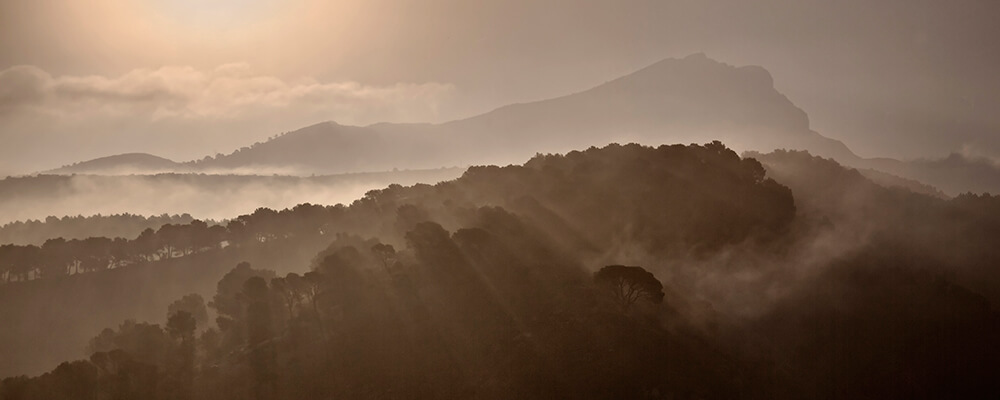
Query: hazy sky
[[186, 78]]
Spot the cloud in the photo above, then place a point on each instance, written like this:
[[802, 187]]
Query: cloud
[[230, 91], [22, 85]]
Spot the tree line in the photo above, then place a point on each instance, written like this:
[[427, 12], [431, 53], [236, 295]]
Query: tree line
[[58, 257], [79, 227]]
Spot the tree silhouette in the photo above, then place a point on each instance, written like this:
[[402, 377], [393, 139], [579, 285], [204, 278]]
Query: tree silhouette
[[260, 345], [180, 362], [192, 304], [56, 257], [181, 325], [385, 253], [629, 284]]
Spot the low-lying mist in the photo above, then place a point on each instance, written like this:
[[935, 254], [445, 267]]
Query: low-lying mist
[[203, 196]]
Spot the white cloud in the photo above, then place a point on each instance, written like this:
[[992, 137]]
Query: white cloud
[[230, 91], [183, 113]]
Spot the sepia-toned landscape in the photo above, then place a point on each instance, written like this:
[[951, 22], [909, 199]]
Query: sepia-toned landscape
[[254, 199]]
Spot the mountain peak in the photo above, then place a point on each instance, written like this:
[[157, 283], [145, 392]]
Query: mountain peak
[[701, 67], [697, 56]]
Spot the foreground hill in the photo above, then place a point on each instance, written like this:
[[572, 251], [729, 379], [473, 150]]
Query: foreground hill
[[484, 287], [562, 197], [947, 236]]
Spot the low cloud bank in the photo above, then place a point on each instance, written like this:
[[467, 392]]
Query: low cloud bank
[[203, 196]]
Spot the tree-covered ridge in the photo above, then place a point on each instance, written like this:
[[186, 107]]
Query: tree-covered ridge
[[282, 240], [956, 234], [492, 310], [704, 197], [485, 287], [125, 225]]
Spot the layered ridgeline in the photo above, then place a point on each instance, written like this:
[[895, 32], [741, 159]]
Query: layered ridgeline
[[571, 214], [484, 287], [694, 99], [689, 100]]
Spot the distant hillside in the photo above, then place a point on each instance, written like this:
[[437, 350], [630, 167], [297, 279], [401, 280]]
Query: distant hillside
[[890, 180], [954, 174], [122, 164]]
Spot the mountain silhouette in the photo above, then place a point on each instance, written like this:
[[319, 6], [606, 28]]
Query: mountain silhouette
[[694, 99]]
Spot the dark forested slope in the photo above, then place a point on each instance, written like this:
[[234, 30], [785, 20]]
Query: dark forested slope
[[484, 287], [571, 196]]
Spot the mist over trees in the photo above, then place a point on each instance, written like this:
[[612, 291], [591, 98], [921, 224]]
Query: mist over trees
[[206, 196], [617, 272], [59, 257]]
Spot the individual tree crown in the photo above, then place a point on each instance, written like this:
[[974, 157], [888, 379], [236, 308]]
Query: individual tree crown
[[181, 325], [629, 284]]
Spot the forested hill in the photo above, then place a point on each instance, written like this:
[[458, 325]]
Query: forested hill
[[953, 237], [712, 281], [696, 182], [584, 206]]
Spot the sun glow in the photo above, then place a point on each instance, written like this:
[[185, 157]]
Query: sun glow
[[215, 14]]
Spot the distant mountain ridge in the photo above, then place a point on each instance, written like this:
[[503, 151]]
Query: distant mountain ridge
[[954, 174], [692, 99], [122, 164], [688, 100]]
